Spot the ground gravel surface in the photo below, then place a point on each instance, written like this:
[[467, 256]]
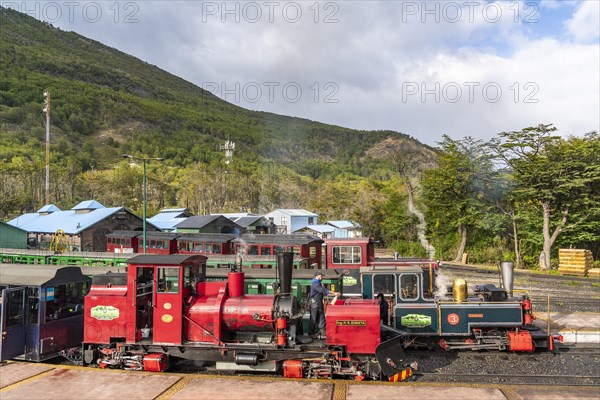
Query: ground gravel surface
[[495, 367]]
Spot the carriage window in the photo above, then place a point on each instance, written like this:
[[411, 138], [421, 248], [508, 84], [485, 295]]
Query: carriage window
[[265, 251], [408, 286], [383, 283], [312, 251], [65, 301], [216, 248], [168, 280], [278, 249], [252, 250], [15, 308], [207, 247], [347, 255]]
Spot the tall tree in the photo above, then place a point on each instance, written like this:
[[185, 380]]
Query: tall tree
[[560, 176], [455, 191]]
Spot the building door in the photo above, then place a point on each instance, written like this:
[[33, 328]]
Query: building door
[[99, 239], [12, 323]]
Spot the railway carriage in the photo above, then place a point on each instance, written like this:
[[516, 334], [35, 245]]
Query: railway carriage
[[41, 310]]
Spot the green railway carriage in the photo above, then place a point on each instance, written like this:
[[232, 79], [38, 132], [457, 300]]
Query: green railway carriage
[[260, 281]]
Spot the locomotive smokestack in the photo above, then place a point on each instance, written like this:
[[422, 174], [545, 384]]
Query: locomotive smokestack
[[508, 274], [285, 264]]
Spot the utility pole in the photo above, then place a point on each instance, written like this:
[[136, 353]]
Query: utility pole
[[143, 160], [228, 148], [47, 111]]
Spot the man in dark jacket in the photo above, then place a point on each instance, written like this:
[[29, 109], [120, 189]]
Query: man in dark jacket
[[383, 309], [317, 310]]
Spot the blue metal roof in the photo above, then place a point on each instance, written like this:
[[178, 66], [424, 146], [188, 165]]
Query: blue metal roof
[[48, 208], [318, 228], [173, 210], [166, 219], [166, 225], [343, 224], [88, 205], [69, 221]]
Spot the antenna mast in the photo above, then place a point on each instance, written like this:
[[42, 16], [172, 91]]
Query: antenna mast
[[47, 111], [228, 147]]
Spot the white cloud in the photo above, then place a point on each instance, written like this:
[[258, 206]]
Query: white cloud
[[585, 23], [555, 4], [371, 53]]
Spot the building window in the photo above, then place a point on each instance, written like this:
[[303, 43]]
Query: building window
[[311, 220], [284, 221], [294, 249], [347, 254]]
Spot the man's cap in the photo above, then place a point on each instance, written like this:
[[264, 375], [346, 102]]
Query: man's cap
[[317, 273]]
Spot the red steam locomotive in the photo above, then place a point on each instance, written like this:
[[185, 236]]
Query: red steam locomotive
[[163, 309]]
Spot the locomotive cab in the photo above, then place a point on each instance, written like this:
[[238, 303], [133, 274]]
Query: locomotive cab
[[159, 286], [146, 304]]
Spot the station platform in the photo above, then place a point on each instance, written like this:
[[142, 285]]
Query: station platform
[[20, 380], [575, 328]]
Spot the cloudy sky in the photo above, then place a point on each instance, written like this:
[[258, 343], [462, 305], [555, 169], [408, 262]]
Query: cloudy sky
[[425, 68]]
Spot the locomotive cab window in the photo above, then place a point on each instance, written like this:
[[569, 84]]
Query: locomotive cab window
[[384, 283], [409, 286], [168, 280]]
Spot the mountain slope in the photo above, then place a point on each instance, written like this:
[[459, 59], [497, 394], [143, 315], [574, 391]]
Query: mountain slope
[[96, 87]]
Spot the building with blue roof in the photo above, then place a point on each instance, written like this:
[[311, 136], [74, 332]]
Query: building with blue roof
[[167, 218], [84, 226]]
